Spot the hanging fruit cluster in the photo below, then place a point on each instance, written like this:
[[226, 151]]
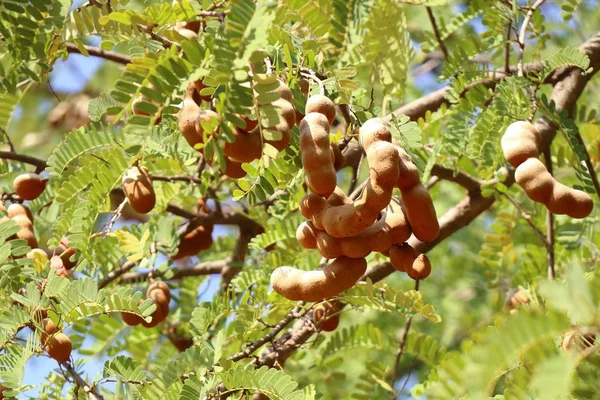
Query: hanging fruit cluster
[[160, 294], [348, 230]]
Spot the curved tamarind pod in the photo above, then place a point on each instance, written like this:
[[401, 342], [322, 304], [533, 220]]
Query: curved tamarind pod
[[132, 319], [321, 104], [160, 294], [520, 142], [233, 169], [306, 235], [282, 143], [286, 111], [391, 228], [29, 186], [325, 317], [421, 213], [536, 181], [338, 197], [572, 202], [284, 91], [405, 258], [247, 147], [65, 253], [26, 232], [333, 279], [351, 219], [59, 347], [339, 161], [316, 154], [138, 188], [373, 130], [195, 241], [251, 124], [409, 174], [18, 209]]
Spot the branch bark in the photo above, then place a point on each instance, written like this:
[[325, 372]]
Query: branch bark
[[98, 52], [204, 268]]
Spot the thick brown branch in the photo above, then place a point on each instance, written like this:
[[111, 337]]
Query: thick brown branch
[[226, 218], [116, 273], [37, 162], [98, 52], [465, 180]]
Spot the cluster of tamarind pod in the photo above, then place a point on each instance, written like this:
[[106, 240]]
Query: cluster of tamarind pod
[[159, 293], [520, 144], [326, 316], [348, 230]]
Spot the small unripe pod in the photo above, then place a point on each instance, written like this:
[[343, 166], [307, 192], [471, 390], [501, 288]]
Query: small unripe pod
[[48, 329], [138, 188], [29, 186]]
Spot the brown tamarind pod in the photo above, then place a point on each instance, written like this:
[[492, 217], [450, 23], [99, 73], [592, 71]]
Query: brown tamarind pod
[[132, 319], [57, 263], [520, 142], [408, 173], [421, 213], [282, 143], [339, 161], [338, 197], [330, 324], [333, 279], [59, 347], [535, 180], [33, 252], [26, 232], [138, 188], [205, 116], [18, 209], [284, 92], [251, 124], [576, 339], [159, 286], [233, 169], [420, 268], [316, 154], [325, 316], [135, 108], [402, 257], [48, 329], [29, 186], [306, 235], [572, 202], [199, 85], [65, 253], [247, 147], [194, 241], [515, 298], [188, 116], [321, 104], [374, 130], [161, 299], [286, 110]]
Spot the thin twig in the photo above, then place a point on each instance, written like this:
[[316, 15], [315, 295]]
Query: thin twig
[[98, 52], [507, 48], [90, 390], [523, 34], [189, 179], [549, 222], [401, 346], [527, 218], [436, 31], [10, 143], [270, 336]]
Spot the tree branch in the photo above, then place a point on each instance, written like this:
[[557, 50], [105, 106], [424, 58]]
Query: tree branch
[[98, 52], [189, 179], [116, 273], [523, 34], [465, 180], [436, 31], [91, 392], [11, 155], [204, 268]]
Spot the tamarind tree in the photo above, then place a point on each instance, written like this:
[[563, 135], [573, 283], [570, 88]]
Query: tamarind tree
[[321, 199]]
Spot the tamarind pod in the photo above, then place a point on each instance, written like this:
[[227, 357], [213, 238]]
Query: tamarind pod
[[330, 324], [316, 154], [26, 232], [520, 142], [339, 161], [574, 337], [282, 143], [421, 213], [48, 329], [515, 298], [29, 186], [205, 116], [188, 116], [333, 279], [536, 181], [338, 197], [251, 124], [286, 112], [193, 26], [132, 319], [305, 234], [159, 286], [246, 147], [312, 207], [374, 130], [284, 92], [409, 174], [138, 188], [194, 242], [57, 263], [321, 104], [572, 202], [402, 257], [420, 268], [233, 169], [66, 253], [59, 347], [18, 209]]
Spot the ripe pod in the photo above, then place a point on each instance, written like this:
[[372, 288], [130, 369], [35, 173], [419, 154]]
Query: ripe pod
[[194, 241], [333, 279], [535, 180], [316, 154], [520, 142], [59, 347], [138, 188], [374, 130], [321, 104], [405, 258], [29, 186], [19, 209], [57, 263], [48, 329], [421, 213], [339, 161], [246, 147], [326, 317]]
